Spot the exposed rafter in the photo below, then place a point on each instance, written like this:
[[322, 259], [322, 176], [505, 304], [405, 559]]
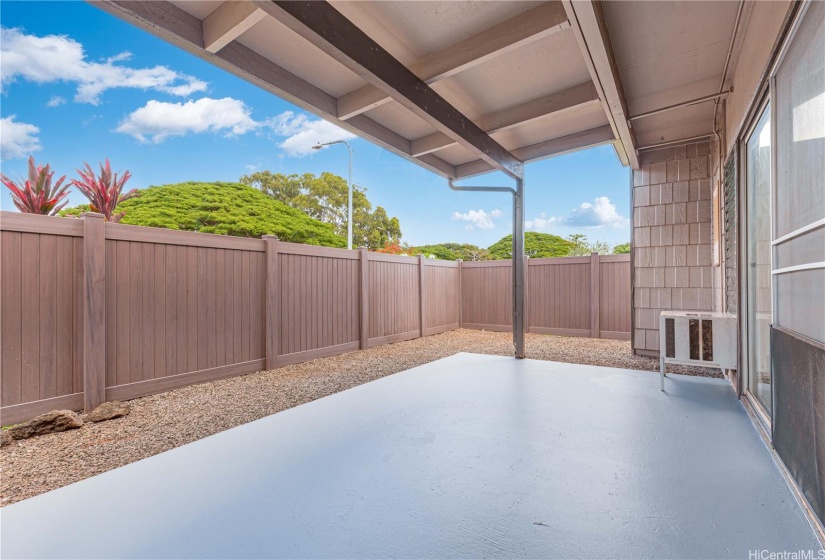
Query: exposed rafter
[[589, 27], [555, 103], [556, 147], [228, 22], [529, 26], [172, 24], [328, 29]]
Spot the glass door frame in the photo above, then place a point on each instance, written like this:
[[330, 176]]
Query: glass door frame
[[744, 206]]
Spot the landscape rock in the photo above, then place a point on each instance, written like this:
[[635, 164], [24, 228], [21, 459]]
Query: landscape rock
[[51, 422], [5, 438], [108, 411]]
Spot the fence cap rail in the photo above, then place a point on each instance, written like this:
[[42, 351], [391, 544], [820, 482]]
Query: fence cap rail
[[315, 251], [443, 264], [143, 234], [385, 257], [485, 264], [560, 260], [34, 223]]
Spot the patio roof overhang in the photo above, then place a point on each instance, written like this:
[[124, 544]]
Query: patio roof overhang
[[464, 88]]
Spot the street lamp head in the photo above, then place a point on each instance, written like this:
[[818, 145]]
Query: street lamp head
[[325, 144]]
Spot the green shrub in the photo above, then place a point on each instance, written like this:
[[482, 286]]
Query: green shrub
[[222, 208]]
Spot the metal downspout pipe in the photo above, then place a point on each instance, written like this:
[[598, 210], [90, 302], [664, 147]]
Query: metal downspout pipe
[[517, 254]]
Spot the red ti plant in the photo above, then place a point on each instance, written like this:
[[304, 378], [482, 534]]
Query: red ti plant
[[38, 195], [104, 190]]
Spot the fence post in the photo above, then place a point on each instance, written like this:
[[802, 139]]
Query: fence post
[[273, 301], [595, 281], [364, 311], [460, 296], [94, 310], [421, 317], [526, 294]]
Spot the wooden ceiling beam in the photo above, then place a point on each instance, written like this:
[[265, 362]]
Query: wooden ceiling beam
[[228, 22], [590, 29], [327, 29], [527, 27], [575, 97]]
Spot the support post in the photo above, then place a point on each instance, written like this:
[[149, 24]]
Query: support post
[[94, 310], [273, 301], [364, 299], [526, 294], [595, 282], [421, 317], [518, 268], [460, 295]]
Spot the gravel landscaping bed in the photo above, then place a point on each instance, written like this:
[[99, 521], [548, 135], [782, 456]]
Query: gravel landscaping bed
[[161, 422]]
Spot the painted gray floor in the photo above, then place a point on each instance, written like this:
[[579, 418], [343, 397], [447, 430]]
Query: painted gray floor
[[469, 456]]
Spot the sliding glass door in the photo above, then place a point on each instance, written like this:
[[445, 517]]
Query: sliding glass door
[[758, 251]]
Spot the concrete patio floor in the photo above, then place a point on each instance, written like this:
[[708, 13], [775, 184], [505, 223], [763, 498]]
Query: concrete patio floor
[[468, 456]]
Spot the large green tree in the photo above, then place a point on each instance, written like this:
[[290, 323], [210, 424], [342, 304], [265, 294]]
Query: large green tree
[[223, 208], [324, 197], [452, 252], [536, 245]]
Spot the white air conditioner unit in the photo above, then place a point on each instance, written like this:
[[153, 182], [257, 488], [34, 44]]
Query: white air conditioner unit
[[697, 338]]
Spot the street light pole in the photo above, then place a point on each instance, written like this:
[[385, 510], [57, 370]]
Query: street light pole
[[349, 187]]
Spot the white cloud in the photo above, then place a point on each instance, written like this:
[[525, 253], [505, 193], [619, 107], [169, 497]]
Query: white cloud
[[304, 132], [17, 139], [541, 222], [58, 58], [56, 101], [600, 214], [478, 219], [157, 120]]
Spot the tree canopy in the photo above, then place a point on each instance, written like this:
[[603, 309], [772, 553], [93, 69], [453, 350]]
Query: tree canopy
[[223, 208], [621, 249], [324, 197], [583, 247], [536, 246], [452, 252]]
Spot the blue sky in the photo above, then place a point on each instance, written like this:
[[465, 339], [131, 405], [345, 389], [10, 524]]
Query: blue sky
[[79, 85]]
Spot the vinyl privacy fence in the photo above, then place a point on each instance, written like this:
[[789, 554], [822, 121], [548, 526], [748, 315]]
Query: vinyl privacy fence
[[93, 311]]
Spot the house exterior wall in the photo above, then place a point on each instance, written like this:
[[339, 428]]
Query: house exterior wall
[[672, 264]]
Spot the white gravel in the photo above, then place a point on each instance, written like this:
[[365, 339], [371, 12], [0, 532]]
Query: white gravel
[[161, 422]]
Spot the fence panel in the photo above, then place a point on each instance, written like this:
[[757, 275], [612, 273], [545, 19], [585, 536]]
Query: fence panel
[[486, 289], [559, 296], [441, 296], [319, 302], [568, 296], [394, 312], [175, 308], [41, 290], [614, 301], [176, 312]]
